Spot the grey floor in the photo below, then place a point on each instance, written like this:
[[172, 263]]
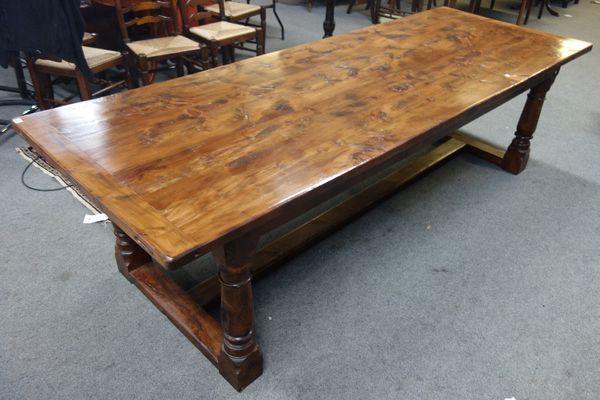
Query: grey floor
[[470, 284]]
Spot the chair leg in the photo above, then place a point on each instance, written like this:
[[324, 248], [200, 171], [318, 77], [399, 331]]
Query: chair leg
[[85, 92], [523, 12], [197, 62], [19, 76], [260, 42], [417, 6], [143, 68], [127, 71], [225, 55], [529, 6], [263, 24], [131, 70], [179, 66], [145, 77], [214, 54], [204, 58], [492, 4], [42, 86]]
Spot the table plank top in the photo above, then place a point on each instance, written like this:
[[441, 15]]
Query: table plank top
[[184, 165]]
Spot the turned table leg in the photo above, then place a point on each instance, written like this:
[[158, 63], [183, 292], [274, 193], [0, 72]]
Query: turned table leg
[[240, 360], [128, 253], [517, 154]]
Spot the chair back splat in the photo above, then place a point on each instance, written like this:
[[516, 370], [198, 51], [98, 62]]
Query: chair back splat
[[199, 14], [159, 15]]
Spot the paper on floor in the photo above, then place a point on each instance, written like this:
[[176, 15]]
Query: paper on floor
[[90, 219]]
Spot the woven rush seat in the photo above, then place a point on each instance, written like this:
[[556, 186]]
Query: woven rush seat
[[93, 55], [221, 30], [163, 46], [234, 9], [88, 39]]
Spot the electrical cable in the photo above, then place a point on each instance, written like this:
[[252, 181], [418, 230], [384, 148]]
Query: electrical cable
[[38, 189]]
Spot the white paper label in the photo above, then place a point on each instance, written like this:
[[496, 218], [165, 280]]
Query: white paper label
[[90, 219]]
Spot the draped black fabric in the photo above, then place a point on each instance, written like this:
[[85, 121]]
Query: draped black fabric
[[52, 27]]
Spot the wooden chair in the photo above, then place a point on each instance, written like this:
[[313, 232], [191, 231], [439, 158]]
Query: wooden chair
[[165, 42], [240, 12], [222, 34], [43, 67], [390, 10]]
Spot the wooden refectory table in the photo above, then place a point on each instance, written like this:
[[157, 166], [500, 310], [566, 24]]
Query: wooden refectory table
[[210, 161]]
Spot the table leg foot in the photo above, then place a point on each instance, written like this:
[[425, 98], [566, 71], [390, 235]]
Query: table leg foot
[[517, 154], [240, 361], [241, 372], [128, 253]]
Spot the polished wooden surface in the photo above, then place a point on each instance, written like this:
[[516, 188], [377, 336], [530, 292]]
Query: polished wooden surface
[[210, 161], [276, 252], [186, 165]]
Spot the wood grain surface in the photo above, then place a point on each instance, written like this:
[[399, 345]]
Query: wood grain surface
[[189, 164]]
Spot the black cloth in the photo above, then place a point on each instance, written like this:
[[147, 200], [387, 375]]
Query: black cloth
[[50, 27]]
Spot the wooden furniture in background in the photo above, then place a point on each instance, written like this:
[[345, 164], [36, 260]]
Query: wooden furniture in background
[[232, 11], [43, 67], [391, 9], [304, 125], [160, 17], [102, 21], [218, 35], [524, 9]]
